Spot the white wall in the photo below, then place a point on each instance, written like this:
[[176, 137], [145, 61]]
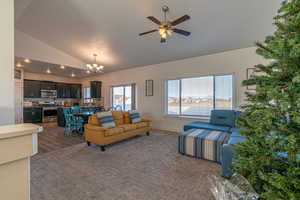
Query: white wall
[[236, 62], [7, 111]]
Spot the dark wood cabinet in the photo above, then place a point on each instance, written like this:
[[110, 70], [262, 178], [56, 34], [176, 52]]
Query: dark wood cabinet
[[75, 91], [32, 115], [48, 85], [32, 89], [63, 90], [96, 89], [60, 90]]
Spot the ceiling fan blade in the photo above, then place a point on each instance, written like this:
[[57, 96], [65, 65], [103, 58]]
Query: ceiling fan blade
[[153, 19], [148, 32], [163, 40], [182, 32], [180, 20]]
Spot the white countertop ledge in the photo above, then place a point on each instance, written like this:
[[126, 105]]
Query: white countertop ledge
[[9, 131]]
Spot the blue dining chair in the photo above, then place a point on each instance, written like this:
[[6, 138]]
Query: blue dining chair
[[73, 123], [75, 109]]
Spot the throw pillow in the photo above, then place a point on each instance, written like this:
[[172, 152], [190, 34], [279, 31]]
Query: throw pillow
[[135, 116], [106, 119]]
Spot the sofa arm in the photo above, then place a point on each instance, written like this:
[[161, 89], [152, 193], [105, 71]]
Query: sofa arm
[[226, 160], [94, 134]]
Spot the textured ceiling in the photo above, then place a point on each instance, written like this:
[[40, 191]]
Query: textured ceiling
[[111, 27]]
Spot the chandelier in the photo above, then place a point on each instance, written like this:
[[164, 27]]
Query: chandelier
[[94, 67]]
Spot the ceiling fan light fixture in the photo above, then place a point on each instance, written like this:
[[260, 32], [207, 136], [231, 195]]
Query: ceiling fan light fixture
[[167, 27]]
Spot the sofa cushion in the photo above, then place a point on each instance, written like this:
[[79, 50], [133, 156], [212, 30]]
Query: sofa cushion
[[128, 127], [236, 134], [223, 117], [93, 119], [135, 116], [113, 131], [206, 125], [118, 117], [141, 124], [235, 140], [106, 119], [127, 119]]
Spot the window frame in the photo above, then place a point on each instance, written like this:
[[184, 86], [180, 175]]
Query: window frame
[[233, 104], [133, 96]]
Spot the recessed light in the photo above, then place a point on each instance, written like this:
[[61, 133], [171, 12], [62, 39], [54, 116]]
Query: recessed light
[[27, 60], [19, 65], [73, 75], [48, 71], [62, 67]]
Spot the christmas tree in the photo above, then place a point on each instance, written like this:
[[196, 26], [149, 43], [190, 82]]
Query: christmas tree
[[269, 158]]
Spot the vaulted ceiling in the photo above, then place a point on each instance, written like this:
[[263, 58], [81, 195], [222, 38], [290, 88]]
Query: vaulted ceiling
[[79, 28]]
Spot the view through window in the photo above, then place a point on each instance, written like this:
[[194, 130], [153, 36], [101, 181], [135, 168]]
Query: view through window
[[123, 97], [87, 95], [199, 95]]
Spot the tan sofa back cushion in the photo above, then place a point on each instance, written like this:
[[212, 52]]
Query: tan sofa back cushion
[[94, 120], [127, 119], [118, 116]]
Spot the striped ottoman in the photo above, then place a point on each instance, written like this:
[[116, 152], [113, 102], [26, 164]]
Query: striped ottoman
[[202, 143]]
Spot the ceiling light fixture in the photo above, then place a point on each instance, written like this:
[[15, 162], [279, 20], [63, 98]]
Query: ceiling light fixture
[[73, 75], [94, 67], [48, 71], [27, 60], [19, 65], [62, 67], [88, 71], [166, 27]]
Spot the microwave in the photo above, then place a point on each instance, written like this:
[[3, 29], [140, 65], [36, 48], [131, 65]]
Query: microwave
[[51, 94]]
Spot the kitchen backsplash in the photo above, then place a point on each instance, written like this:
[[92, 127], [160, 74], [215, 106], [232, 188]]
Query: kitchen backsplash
[[28, 102], [36, 101]]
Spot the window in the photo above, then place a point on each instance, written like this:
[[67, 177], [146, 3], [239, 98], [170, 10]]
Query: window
[[199, 95], [123, 97], [87, 95]]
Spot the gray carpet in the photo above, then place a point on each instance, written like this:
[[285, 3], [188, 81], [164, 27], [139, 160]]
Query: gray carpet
[[140, 168]]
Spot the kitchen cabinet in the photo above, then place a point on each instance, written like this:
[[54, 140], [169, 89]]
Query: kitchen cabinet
[[60, 90], [75, 91], [32, 89], [48, 85], [63, 90], [96, 89], [32, 115]]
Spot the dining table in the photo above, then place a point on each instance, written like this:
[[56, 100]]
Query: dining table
[[84, 115]]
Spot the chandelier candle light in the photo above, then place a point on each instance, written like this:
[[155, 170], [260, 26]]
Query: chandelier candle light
[[94, 67]]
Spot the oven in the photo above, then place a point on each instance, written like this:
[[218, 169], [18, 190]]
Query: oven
[[51, 94], [49, 114]]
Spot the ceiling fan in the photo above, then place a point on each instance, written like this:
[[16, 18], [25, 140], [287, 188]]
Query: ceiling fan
[[166, 28]]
